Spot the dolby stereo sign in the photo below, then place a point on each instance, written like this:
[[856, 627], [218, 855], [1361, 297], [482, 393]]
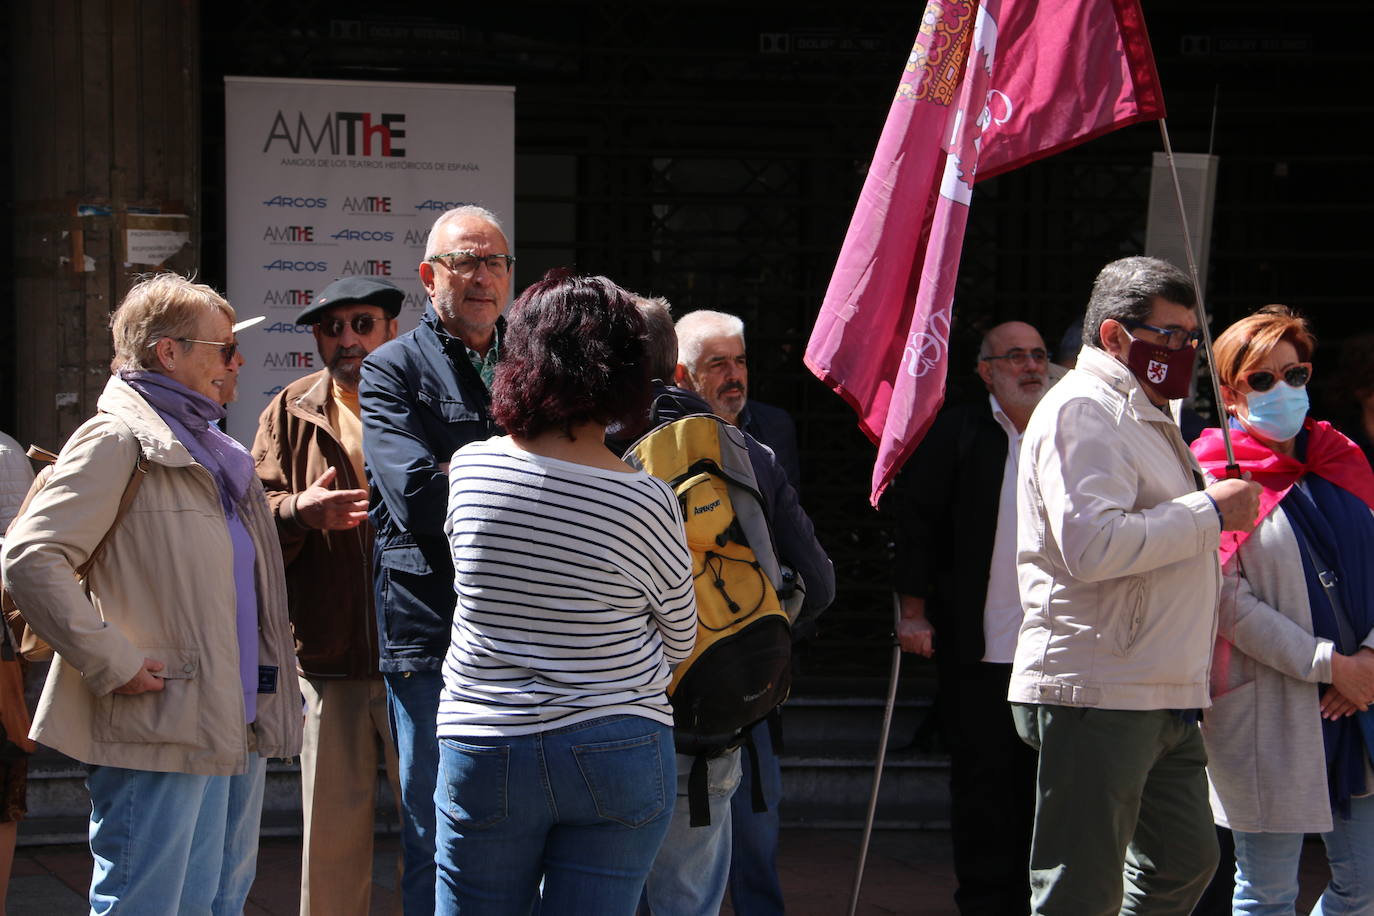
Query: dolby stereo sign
[[327, 179]]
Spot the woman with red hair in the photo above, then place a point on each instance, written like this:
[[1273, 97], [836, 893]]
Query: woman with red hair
[[1289, 735], [574, 597]]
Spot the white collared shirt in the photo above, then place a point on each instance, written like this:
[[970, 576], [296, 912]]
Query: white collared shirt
[[1002, 609]]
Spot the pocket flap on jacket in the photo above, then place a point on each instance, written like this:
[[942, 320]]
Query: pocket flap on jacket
[[450, 409], [171, 715], [406, 558]]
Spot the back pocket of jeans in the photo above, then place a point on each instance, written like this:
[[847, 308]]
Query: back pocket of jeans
[[474, 781], [625, 779]]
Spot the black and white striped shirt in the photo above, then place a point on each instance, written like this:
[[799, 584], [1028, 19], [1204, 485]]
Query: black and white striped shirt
[[574, 590]]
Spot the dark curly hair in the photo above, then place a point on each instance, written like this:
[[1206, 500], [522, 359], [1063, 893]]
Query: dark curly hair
[[573, 353]]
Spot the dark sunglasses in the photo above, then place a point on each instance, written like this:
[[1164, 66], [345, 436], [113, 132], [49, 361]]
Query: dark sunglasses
[[362, 325], [226, 350], [1295, 376]]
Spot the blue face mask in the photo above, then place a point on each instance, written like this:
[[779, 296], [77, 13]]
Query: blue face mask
[[1277, 414]]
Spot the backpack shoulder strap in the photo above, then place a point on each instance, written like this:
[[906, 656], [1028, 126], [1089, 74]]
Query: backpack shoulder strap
[[127, 500]]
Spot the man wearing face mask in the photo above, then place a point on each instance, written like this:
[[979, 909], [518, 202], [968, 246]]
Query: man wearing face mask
[[1117, 565]]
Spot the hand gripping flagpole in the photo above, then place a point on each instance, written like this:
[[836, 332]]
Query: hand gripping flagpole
[[1232, 469]]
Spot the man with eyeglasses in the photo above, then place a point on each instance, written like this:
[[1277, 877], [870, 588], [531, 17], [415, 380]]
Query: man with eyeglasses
[[1117, 551], [309, 455], [955, 574], [424, 395]]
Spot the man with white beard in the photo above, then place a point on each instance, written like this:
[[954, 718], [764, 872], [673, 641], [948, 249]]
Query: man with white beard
[[955, 573]]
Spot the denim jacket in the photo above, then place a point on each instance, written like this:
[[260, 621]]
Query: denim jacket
[[421, 401]]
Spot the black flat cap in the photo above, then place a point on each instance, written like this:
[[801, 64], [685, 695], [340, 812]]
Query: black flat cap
[[354, 290]]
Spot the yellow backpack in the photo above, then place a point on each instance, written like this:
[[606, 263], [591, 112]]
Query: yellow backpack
[[740, 670]]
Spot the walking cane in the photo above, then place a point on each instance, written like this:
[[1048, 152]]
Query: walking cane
[[882, 753]]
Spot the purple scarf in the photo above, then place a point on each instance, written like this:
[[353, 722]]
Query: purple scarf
[[192, 417]]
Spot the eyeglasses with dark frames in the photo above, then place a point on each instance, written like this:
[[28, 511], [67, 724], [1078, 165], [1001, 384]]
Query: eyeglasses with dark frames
[[1174, 338], [1021, 358], [226, 350], [464, 262], [362, 325], [1295, 376]]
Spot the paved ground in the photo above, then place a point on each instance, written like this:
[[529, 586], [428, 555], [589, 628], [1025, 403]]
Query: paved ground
[[908, 872]]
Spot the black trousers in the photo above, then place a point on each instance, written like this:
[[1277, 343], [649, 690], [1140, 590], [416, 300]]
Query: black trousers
[[992, 790]]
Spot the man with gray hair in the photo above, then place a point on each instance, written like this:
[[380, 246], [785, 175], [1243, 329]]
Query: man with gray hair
[[695, 864], [712, 363], [423, 396], [1117, 564]]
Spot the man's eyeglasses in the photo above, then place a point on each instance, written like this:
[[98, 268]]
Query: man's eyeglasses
[[464, 263], [226, 350], [1295, 376], [1021, 358], [1174, 338], [362, 325]]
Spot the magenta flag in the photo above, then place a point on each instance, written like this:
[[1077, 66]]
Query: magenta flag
[[989, 87]]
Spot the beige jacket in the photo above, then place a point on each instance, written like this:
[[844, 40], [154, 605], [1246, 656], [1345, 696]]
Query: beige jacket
[[1266, 761], [163, 588], [1116, 550]]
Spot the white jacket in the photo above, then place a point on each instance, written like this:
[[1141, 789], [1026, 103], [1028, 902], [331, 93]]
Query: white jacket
[[1116, 550]]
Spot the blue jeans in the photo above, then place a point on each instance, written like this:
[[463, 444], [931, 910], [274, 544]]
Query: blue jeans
[[1267, 867], [412, 705], [754, 886], [174, 843], [693, 865], [584, 807]]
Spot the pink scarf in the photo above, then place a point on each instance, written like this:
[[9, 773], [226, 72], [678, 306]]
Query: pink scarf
[[1329, 455]]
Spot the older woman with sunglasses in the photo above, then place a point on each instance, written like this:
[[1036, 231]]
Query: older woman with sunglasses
[[1290, 734], [173, 675]]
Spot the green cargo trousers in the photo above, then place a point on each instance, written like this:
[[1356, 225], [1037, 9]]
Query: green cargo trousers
[[1122, 821]]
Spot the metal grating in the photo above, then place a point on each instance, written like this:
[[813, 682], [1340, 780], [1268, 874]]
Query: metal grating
[[712, 153]]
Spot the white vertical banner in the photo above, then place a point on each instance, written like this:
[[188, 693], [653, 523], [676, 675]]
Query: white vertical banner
[[331, 178]]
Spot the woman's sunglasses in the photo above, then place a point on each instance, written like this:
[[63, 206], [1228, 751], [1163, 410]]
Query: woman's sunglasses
[[1295, 376]]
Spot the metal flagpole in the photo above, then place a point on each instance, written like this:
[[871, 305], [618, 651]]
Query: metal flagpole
[[1232, 469], [882, 752]]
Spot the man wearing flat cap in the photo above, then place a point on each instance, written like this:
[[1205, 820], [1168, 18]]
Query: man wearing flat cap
[[309, 454]]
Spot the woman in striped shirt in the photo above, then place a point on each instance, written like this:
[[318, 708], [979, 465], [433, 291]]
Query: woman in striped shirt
[[574, 596]]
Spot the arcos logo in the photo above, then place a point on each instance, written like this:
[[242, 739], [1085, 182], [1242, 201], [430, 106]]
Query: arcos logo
[[309, 267], [304, 203], [363, 235]]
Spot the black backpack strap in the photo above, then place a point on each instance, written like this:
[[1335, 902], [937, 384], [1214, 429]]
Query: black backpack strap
[[698, 800], [756, 799]]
